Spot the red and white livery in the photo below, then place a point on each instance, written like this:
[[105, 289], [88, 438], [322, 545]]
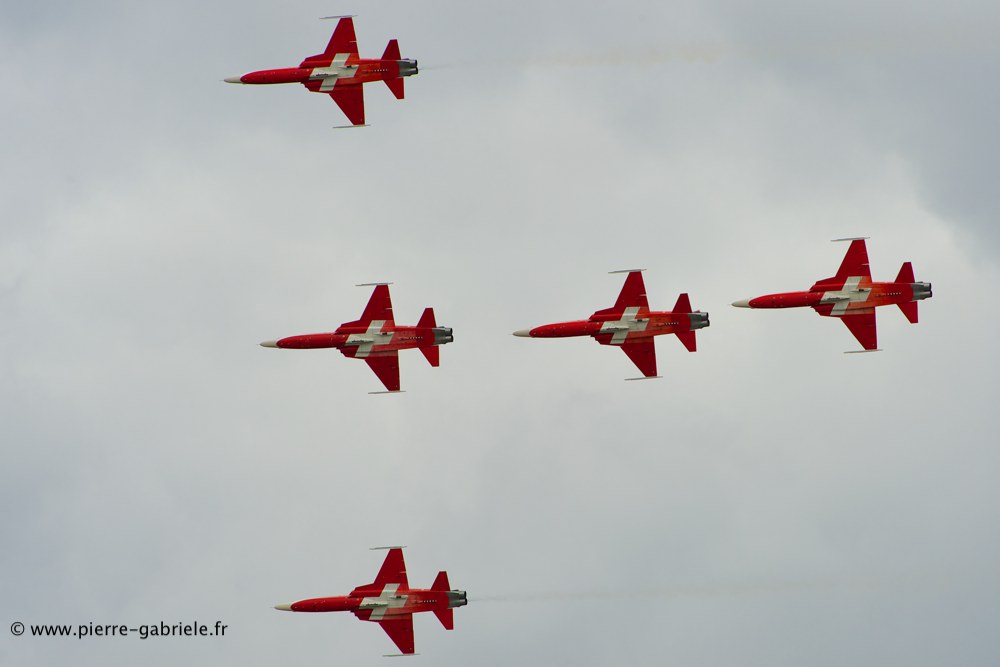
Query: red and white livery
[[631, 325], [377, 338], [852, 296], [340, 72], [390, 602]]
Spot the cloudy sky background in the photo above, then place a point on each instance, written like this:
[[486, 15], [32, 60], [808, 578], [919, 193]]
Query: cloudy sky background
[[770, 502]]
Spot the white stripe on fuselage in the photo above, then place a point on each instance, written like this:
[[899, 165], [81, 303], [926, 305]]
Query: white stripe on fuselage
[[335, 70], [368, 340], [620, 329], [384, 602], [846, 295]]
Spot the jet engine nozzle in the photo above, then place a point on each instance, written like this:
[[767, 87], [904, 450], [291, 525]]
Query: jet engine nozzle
[[699, 320], [407, 67], [457, 598], [921, 291], [443, 335]]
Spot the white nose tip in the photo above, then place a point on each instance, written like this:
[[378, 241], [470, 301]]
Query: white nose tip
[[269, 343], [232, 79], [523, 333], [745, 303], [283, 607]]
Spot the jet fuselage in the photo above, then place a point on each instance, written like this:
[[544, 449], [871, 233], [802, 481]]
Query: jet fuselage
[[651, 323], [381, 338], [391, 603], [862, 294], [321, 79]]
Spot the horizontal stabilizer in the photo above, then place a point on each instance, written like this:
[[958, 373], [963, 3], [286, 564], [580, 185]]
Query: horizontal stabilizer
[[427, 319], [396, 86], [690, 342], [683, 304], [447, 617], [392, 51], [432, 354], [910, 310], [441, 582], [906, 274]]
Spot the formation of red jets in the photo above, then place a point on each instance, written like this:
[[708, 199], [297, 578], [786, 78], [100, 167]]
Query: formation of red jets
[[629, 324]]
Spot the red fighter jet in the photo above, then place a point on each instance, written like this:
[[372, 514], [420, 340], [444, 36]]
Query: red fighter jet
[[852, 296], [631, 325], [390, 602], [377, 339], [340, 73]]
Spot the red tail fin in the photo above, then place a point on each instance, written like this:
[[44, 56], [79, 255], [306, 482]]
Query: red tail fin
[[683, 304], [447, 617], [441, 582], [432, 354], [392, 51], [396, 86], [427, 318], [687, 337], [906, 274], [910, 307]]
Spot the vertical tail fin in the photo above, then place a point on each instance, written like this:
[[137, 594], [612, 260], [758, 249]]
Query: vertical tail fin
[[392, 51], [447, 617], [910, 310], [906, 274], [687, 337], [683, 304]]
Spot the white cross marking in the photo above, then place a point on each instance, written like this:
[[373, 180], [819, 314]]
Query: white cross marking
[[846, 295], [368, 340], [384, 602], [620, 329], [335, 70]]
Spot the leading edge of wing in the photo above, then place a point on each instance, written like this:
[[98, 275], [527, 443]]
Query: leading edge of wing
[[642, 352], [386, 366]]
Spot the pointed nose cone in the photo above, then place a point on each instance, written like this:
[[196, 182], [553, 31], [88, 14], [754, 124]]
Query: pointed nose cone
[[523, 333], [283, 607], [269, 343], [745, 303], [233, 79]]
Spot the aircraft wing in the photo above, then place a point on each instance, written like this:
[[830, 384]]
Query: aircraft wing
[[642, 352], [855, 265], [861, 322], [342, 42], [386, 367], [400, 631], [633, 295], [351, 100], [379, 307]]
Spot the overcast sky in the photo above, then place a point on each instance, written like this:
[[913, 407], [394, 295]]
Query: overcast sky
[[771, 501]]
